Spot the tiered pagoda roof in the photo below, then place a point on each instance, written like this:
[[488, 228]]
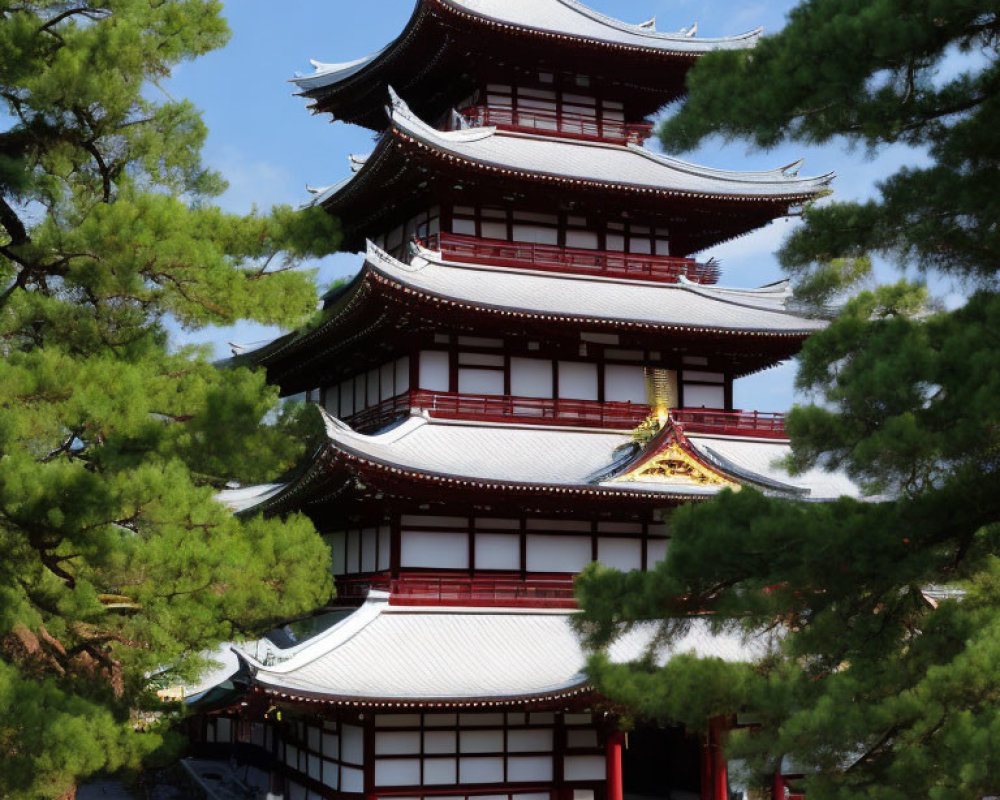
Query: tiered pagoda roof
[[424, 456], [415, 162], [754, 327], [445, 51], [385, 655]]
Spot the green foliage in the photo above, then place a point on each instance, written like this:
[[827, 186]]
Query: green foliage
[[882, 692], [118, 562]]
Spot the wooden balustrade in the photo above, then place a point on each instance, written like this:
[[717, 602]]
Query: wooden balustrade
[[526, 255], [573, 126], [549, 411], [731, 423]]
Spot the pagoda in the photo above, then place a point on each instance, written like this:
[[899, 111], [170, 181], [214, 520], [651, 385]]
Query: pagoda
[[530, 370]]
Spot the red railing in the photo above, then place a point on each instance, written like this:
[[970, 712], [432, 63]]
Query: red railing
[[451, 589], [549, 411], [731, 423], [529, 410], [500, 253], [501, 408], [574, 126], [551, 591]]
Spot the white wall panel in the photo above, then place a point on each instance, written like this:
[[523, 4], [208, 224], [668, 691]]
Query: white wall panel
[[530, 741], [353, 552], [403, 375], [352, 780], [331, 400], [440, 771], [704, 396], [347, 398], [434, 370], [481, 741], [531, 377], [656, 551], [331, 776], [331, 746], [493, 229], [395, 743], [624, 384], [521, 769], [223, 729], [585, 240], [388, 380], [352, 745], [338, 543], [314, 771], [480, 770], [623, 554], [480, 381], [536, 234], [369, 541], [436, 742], [498, 551], [577, 380], [384, 547], [558, 553], [373, 382], [435, 550], [584, 768], [360, 402], [397, 771]]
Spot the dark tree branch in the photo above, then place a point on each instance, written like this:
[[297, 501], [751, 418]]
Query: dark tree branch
[[86, 11]]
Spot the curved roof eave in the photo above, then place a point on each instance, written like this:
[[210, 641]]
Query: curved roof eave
[[566, 19], [627, 168]]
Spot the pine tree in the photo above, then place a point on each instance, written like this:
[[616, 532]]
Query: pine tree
[[883, 689], [117, 563]]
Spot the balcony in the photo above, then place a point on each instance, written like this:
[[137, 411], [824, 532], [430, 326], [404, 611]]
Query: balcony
[[504, 590], [571, 126], [502, 408], [754, 424], [543, 257], [578, 413]]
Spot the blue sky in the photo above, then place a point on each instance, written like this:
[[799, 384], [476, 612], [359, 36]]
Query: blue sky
[[269, 147]]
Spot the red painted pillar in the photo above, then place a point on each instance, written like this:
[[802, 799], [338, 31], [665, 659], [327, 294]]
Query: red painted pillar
[[778, 787], [614, 765], [720, 777]]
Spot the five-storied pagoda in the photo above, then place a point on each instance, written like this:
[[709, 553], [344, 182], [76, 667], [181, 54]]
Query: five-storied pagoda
[[528, 299]]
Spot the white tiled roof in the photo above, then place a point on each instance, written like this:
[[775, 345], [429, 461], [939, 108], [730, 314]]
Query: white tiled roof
[[683, 305], [564, 17], [584, 460], [762, 459], [597, 163], [575, 19], [533, 455], [506, 453], [437, 654]]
